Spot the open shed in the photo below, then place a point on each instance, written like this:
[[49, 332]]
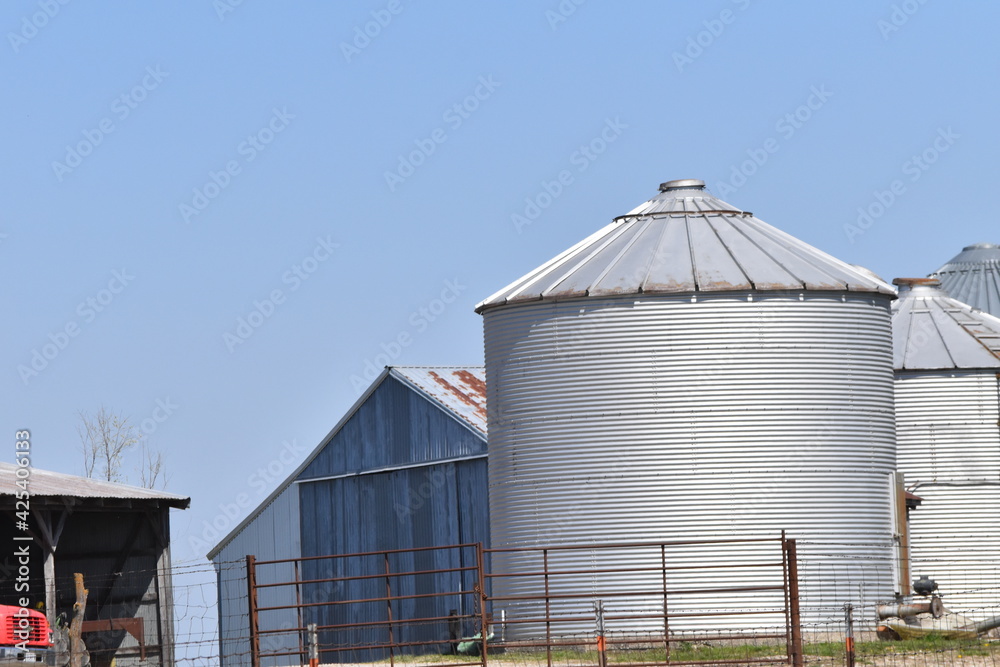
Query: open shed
[[118, 537]]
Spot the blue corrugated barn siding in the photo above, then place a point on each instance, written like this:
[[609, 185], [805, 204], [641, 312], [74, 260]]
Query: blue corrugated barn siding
[[395, 426], [361, 511], [401, 472], [272, 535], [416, 507]]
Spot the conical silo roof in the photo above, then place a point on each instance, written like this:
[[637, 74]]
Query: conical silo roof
[[973, 277], [685, 240], [931, 330]]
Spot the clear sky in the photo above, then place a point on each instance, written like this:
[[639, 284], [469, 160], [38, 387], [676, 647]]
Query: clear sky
[[222, 218]]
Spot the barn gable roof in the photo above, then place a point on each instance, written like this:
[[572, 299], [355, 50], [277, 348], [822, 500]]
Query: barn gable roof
[[459, 391]]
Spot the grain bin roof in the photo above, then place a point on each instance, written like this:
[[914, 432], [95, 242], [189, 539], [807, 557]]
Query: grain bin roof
[[931, 330], [685, 240], [973, 277], [45, 485]]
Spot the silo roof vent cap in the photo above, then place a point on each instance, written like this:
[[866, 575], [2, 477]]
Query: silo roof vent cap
[[683, 184]]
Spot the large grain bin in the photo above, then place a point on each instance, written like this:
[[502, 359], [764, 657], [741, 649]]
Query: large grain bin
[[973, 277], [689, 372], [947, 356]]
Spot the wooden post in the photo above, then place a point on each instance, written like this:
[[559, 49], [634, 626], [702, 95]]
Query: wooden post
[[164, 586], [252, 610], [77, 649], [48, 538]]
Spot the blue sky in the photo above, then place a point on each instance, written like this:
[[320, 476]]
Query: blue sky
[[238, 209]]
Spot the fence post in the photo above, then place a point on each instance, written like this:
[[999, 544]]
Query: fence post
[[602, 646], [77, 649], [298, 607], [388, 608], [252, 610], [548, 609], [313, 639], [849, 639], [484, 613], [666, 615], [793, 603]]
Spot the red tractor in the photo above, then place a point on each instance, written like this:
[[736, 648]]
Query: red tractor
[[25, 637]]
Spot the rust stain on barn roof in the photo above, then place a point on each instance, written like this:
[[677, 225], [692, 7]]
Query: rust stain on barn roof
[[459, 389]]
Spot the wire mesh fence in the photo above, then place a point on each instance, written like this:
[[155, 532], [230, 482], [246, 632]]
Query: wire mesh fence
[[211, 616]]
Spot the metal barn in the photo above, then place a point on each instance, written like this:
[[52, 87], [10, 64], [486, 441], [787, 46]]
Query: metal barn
[[690, 372], [404, 468], [118, 537], [947, 360]]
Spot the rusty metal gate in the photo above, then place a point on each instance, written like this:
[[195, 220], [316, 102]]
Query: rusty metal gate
[[637, 604]]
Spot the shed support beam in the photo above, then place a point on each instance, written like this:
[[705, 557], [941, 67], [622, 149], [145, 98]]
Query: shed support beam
[[48, 538]]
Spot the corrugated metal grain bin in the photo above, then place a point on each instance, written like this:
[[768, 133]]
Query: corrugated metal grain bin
[[690, 371], [973, 277], [947, 356]]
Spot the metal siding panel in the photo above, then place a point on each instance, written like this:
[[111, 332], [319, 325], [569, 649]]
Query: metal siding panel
[[954, 540], [399, 509], [949, 452], [659, 418], [946, 425], [473, 502], [395, 426], [273, 535]]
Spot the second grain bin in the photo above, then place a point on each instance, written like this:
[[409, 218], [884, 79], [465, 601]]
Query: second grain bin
[[947, 357], [973, 277], [691, 372]]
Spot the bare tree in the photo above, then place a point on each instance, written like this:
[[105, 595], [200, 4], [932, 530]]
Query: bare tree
[[150, 469], [106, 438]]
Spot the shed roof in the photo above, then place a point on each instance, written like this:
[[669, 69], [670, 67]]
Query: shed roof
[[931, 330], [686, 240], [53, 485], [973, 277], [458, 390]]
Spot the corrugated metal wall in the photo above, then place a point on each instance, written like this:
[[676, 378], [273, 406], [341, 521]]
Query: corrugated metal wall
[[697, 416], [395, 426], [362, 510], [414, 507], [273, 535], [341, 503], [949, 452]]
